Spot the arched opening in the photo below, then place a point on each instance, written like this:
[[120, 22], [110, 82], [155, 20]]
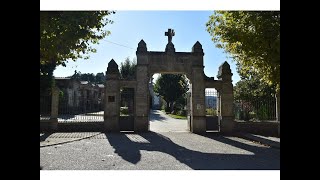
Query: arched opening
[[169, 106]]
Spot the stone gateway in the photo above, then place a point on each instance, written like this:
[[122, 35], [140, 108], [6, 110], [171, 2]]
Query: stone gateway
[[169, 61]]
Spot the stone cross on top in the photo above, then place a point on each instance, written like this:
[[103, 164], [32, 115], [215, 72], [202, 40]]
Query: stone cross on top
[[170, 33]]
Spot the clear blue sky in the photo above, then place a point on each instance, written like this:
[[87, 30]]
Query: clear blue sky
[[130, 27]]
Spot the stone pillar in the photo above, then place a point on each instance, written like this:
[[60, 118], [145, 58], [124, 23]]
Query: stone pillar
[[198, 120], [112, 97], [226, 99], [54, 108], [141, 122]]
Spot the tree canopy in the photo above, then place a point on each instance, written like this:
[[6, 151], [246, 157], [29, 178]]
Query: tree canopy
[[128, 69], [252, 39], [171, 87], [99, 78], [69, 34], [253, 88]]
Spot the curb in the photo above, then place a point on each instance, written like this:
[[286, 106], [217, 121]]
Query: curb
[[260, 140]]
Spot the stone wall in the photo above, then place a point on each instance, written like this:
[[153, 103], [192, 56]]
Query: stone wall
[[259, 128]]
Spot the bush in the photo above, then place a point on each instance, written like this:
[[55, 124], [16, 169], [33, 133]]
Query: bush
[[124, 110], [211, 112]]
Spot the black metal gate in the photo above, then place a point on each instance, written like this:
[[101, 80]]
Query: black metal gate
[[126, 118], [212, 120], [79, 108]]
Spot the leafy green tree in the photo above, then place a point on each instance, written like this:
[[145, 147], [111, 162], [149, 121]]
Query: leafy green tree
[[128, 69], [68, 35], [252, 38], [100, 78], [254, 96], [253, 88], [171, 87]]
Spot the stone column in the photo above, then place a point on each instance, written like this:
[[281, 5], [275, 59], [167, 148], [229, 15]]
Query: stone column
[[226, 99], [141, 122], [54, 108], [112, 97], [198, 120]]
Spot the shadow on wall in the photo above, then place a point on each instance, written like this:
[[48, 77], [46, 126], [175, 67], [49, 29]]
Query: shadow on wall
[[130, 149]]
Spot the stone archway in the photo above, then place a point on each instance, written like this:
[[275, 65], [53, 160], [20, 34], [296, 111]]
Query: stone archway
[[170, 61]]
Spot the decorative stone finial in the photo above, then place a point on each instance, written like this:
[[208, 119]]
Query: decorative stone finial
[[142, 46], [197, 48], [112, 67], [224, 71]]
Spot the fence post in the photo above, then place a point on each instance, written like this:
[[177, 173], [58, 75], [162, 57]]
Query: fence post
[[278, 110], [54, 108]]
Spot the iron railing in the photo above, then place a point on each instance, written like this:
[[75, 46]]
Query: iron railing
[[255, 109], [211, 99], [45, 107]]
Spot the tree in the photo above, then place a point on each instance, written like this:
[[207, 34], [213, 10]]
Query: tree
[[252, 87], [252, 95], [128, 69], [171, 87], [253, 40], [68, 35], [100, 78]]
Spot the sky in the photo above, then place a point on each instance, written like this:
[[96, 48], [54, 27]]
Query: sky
[[130, 27]]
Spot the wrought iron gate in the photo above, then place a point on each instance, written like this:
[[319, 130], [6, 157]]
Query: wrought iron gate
[[212, 120]]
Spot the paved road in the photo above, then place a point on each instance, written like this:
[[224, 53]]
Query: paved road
[[160, 122], [168, 146], [158, 151]]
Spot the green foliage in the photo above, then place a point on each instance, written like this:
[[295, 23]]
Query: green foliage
[[69, 34], [263, 113], [252, 38], [211, 112], [99, 78], [171, 87], [178, 116], [46, 81], [251, 87], [128, 69], [124, 111]]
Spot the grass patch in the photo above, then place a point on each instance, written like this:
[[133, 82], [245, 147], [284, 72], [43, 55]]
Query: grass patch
[[174, 115], [177, 116]]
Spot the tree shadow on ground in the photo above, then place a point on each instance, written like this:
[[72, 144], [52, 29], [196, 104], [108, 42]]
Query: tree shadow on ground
[[44, 136], [155, 115], [129, 149]]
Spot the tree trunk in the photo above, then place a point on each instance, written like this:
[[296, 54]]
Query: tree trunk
[[171, 107], [168, 106]]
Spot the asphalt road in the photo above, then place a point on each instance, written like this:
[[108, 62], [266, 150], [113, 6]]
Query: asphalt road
[[159, 151], [160, 122], [168, 146]]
